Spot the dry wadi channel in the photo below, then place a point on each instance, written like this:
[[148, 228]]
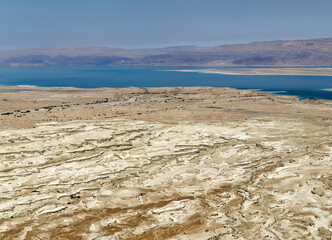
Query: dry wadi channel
[[167, 163]]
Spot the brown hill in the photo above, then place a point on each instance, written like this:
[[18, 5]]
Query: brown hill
[[313, 52]]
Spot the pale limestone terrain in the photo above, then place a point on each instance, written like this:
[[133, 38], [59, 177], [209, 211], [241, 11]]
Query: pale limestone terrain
[[164, 164]]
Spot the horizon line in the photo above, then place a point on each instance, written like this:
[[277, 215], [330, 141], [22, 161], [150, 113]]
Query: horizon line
[[167, 46]]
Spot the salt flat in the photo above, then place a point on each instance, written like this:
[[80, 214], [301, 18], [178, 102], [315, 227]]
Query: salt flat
[[168, 163], [310, 71]]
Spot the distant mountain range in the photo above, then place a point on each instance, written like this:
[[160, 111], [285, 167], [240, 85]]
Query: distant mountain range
[[313, 52]]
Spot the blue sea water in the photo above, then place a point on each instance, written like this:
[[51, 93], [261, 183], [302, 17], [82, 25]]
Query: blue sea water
[[121, 77]]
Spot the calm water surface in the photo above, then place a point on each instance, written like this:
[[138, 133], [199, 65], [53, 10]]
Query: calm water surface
[[120, 77]]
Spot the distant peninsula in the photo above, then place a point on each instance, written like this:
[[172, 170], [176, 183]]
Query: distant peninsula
[[312, 71], [312, 52]]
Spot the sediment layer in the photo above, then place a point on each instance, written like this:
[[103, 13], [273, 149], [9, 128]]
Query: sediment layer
[[169, 163]]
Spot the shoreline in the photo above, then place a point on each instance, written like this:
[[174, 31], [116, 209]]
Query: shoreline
[[264, 71], [33, 87]]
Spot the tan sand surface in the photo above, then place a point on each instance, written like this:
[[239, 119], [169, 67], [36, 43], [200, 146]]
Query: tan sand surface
[[167, 163]]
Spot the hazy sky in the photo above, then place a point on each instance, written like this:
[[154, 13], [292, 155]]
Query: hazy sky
[[159, 23]]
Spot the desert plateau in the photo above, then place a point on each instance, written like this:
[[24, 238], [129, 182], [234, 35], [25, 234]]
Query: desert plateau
[[163, 163]]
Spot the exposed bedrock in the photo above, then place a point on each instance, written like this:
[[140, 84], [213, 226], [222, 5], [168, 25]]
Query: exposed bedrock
[[127, 179]]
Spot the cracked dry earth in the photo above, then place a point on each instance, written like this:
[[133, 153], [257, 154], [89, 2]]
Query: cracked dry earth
[[265, 178]]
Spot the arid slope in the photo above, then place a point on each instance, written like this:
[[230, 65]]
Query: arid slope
[[169, 163]]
